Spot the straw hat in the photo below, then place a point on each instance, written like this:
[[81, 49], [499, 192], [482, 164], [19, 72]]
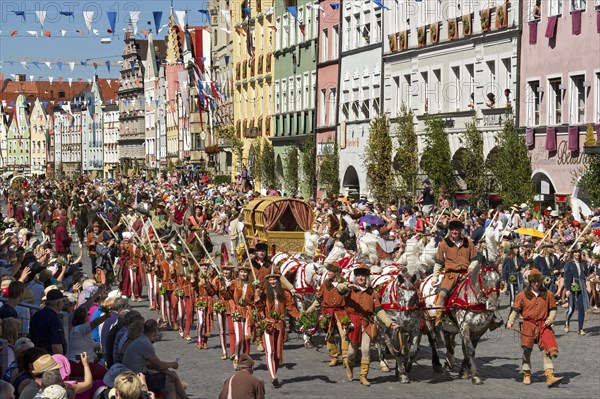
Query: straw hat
[[43, 364]]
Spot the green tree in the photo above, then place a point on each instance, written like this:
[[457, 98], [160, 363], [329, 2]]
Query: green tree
[[406, 161], [378, 160], [309, 176], [512, 168], [329, 170], [290, 172], [255, 160], [590, 179], [437, 162], [229, 134], [472, 167], [268, 163]]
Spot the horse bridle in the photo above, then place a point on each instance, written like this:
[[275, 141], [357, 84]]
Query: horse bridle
[[484, 293]]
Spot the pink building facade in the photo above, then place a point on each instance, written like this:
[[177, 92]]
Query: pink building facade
[[327, 76], [559, 93]]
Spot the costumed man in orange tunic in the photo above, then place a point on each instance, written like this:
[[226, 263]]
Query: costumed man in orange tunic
[[93, 238], [167, 285], [537, 306], [187, 281], [362, 305], [456, 256], [223, 308], [275, 302], [243, 293], [333, 306], [204, 304]]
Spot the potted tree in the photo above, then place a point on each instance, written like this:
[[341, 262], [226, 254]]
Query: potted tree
[[466, 24], [403, 39], [452, 31], [501, 17], [484, 16], [392, 42], [421, 38], [433, 32], [590, 145]]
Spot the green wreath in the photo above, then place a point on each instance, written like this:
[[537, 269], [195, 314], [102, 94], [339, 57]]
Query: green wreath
[[485, 19], [467, 25], [402, 39], [421, 35], [452, 28], [434, 33], [500, 15]]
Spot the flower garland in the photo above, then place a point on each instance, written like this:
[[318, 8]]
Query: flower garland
[[306, 321], [452, 28], [347, 324], [202, 304], [179, 293], [220, 306]]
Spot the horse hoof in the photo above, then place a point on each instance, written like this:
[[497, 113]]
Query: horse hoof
[[384, 368], [438, 369], [463, 376], [476, 380], [404, 379]]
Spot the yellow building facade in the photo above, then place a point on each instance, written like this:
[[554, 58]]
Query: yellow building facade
[[253, 45]]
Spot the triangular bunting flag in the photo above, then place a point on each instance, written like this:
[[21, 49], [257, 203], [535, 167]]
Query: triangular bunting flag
[[63, 32], [273, 27], [107, 63], [50, 79], [227, 15], [88, 17], [47, 34], [48, 64], [108, 80], [22, 14], [132, 66], [269, 11], [70, 82], [24, 64], [112, 19], [205, 13], [157, 18], [134, 16], [72, 66], [36, 64], [60, 64], [67, 14], [293, 10], [95, 31], [380, 4], [13, 33], [31, 78], [83, 63], [41, 16], [33, 33], [180, 14]]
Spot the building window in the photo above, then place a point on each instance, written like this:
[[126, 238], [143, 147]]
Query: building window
[[334, 41], [325, 45], [378, 28], [299, 93], [323, 107], [306, 96], [452, 95], [397, 102], [555, 103], [577, 100], [578, 5], [407, 90], [533, 103], [283, 96], [554, 7], [332, 105], [365, 110], [348, 30], [597, 118], [425, 91]]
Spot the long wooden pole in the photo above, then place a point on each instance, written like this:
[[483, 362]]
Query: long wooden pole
[[207, 253], [241, 234], [108, 225], [186, 247], [579, 236], [547, 235], [158, 239]]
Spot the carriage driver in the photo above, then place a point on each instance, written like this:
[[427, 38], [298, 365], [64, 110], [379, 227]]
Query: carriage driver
[[456, 255]]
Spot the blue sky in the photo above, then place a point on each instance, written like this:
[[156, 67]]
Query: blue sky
[[73, 46]]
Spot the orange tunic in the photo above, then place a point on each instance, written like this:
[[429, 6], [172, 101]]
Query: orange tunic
[[361, 306], [535, 311]]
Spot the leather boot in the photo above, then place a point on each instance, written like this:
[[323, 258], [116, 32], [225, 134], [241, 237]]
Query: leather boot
[[551, 380], [527, 377], [364, 372], [259, 344], [348, 367], [333, 354]]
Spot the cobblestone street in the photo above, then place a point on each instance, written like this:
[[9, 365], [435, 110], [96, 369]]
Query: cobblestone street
[[305, 372]]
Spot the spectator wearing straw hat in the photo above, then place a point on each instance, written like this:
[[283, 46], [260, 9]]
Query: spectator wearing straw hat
[[243, 384]]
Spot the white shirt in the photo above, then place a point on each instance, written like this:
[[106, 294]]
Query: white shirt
[[80, 340]]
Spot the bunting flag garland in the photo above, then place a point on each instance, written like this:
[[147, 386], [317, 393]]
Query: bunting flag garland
[[302, 27], [227, 15], [157, 19], [31, 78], [88, 17], [41, 16], [380, 4], [72, 66], [33, 33], [59, 64], [63, 32], [112, 20], [181, 18], [293, 10], [21, 14], [67, 14], [24, 64], [83, 63], [36, 64], [205, 13], [134, 17], [226, 60], [50, 79], [47, 34], [95, 66], [48, 64]]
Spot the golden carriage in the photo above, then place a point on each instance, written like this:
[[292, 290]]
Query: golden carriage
[[277, 221]]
